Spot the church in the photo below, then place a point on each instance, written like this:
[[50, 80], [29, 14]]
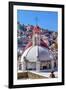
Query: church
[[37, 55]]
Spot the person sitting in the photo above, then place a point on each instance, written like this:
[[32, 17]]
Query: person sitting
[[52, 74]]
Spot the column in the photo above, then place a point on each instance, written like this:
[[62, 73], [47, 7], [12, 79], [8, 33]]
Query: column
[[52, 65], [37, 66], [23, 66]]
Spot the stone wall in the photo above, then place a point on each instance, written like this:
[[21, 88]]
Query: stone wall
[[29, 75], [23, 75]]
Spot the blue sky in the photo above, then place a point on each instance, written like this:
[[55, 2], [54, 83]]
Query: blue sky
[[46, 19]]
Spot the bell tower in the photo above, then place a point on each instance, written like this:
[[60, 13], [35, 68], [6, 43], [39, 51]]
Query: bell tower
[[36, 33], [36, 36]]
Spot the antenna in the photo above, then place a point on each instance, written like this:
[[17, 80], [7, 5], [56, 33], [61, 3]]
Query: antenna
[[36, 21]]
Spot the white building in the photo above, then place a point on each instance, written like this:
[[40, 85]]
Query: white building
[[37, 56]]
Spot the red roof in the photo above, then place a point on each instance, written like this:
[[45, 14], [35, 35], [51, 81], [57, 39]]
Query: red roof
[[28, 45], [36, 29], [42, 43]]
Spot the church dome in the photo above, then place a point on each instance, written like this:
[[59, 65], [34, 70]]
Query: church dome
[[35, 53]]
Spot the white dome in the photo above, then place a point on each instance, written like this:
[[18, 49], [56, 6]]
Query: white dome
[[35, 53]]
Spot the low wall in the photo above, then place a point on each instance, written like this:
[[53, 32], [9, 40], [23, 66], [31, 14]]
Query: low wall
[[29, 75], [35, 76], [22, 75]]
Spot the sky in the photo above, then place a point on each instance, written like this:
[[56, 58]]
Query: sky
[[45, 19]]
